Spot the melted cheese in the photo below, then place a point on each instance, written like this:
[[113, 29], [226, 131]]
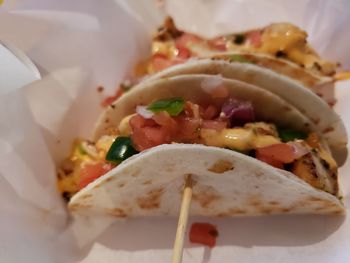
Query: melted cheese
[[105, 142], [83, 152], [68, 184], [241, 139], [279, 37], [284, 37], [124, 126], [78, 153], [166, 48]]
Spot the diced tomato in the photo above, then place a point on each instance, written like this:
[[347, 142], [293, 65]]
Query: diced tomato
[[203, 233], [146, 133], [149, 137], [185, 40], [271, 161], [192, 110], [254, 37], [280, 152], [164, 119], [183, 53], [155, 136], [137, 121], [214, 125], [187, 129], [159, 63], [90, 172], [109, 100], [218, 43], [209, 112]]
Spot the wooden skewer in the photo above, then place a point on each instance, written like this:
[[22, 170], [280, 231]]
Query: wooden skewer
[[183, 218]]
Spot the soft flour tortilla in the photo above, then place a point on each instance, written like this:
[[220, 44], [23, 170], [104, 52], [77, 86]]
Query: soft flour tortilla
[[327, 122], [274, 106], [282, 66], [321, 85], [226, 183], [267, 106]]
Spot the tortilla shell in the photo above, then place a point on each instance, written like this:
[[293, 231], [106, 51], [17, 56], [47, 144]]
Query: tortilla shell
[[324, 118], [268, 106], [282, 66], [226, 183]]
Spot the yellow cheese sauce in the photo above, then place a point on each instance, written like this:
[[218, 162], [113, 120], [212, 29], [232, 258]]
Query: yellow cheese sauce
[[251, 136], [281, 38], [83, 152], [124, 127], [237, 138]]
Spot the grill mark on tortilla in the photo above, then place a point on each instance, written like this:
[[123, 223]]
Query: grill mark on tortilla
[[274, 203], [169, 169], [320, 208], [232, 212], [328, 129], [266, 210], [286, 210], [339, 212], [151, 200], [147, 182], [254, 200], [237, 211], [221, 166], [117, 212], [327, 206], [86, 196], [315, 199], [323, 205], [258, 174], [120, 185], [315, 120], [78, 206], [135, 173], [109, 179], [286, 108], [205, 197]]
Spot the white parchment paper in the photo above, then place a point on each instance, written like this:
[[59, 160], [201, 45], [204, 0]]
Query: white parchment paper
[[79, 45]]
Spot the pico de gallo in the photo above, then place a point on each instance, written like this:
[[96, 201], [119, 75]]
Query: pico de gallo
[[233, 126]]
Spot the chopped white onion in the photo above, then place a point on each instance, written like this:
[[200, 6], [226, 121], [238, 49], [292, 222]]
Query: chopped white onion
[[144, 112], [298, 148], [211, 83]]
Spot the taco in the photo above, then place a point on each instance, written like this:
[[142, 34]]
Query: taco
[[248, 150], [311, 105], [281, 47]]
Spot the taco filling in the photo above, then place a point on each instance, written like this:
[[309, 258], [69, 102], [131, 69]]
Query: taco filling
[[233, 126], [171, 46], [275, 47]]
